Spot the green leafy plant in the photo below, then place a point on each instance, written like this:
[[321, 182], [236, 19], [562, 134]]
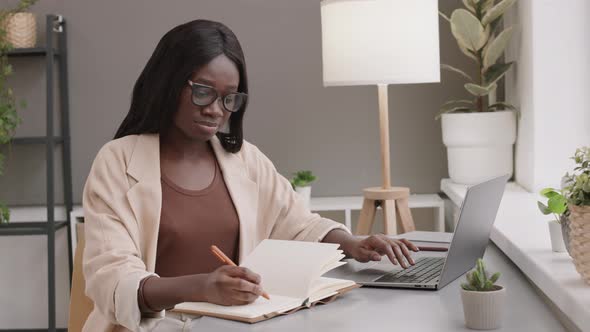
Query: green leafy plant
[[475, 28], [9, 119], [477, 280], [24, 5], [577, 185], [556, 203], [302, 179], [4, 213]]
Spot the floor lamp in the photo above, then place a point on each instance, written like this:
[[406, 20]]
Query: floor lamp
[[381, 42]]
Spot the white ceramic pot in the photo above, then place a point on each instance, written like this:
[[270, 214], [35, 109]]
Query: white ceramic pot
[[557, 243], [305, 193], [483, 310], [479, 145]]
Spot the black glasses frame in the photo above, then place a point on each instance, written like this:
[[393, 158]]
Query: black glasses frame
[[195, 86]]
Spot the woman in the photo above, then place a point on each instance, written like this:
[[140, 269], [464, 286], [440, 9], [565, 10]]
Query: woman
[[179, 177]]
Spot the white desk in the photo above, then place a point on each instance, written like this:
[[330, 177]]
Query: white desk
[[349, 203], [521, 232], [375, 309]]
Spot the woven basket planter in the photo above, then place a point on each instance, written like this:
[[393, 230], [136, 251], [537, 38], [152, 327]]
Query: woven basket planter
[[21, 30], [580, 239]]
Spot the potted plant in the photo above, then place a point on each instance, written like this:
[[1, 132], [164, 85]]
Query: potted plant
[[556, 205], [8, 109], [483, 300], [20, 26], [478, 131], [301, 182], [577, 193]]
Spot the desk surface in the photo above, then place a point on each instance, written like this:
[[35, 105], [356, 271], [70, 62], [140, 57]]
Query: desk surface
[[376, 309]]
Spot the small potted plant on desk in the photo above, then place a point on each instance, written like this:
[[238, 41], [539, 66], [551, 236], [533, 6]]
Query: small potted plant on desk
[[556, 205], [301, 182], [483, 300], [577, 193]]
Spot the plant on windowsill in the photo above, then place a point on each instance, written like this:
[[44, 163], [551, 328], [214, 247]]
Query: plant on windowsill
[[577, 193], [556, 205], [301, 182], [483, 300], [479, 132]]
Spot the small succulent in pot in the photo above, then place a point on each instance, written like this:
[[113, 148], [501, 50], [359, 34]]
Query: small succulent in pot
[[483, 300], [478, 281]]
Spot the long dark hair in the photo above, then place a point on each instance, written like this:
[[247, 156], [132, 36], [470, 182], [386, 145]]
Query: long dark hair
[[181, 52]]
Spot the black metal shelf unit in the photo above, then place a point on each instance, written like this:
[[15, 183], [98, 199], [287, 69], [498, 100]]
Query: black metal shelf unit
[[56, 34]]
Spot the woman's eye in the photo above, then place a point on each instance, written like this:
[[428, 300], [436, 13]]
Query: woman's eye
[[202, 93]]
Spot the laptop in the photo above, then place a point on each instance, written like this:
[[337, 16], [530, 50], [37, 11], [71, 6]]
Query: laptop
[[433, 271]]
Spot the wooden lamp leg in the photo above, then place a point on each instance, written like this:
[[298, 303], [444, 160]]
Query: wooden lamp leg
[[394, 200], [367, 217], [405, 216], [389, 222]]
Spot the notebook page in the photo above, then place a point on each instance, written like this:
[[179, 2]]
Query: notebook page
[[332, 263], [288, 267], [255, 309], [324, 287]]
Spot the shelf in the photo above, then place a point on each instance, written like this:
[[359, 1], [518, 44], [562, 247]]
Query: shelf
[[32, 51], [29, 228], [34, 140]]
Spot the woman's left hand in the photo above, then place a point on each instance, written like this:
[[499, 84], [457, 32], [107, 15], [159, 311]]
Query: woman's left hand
[[375, 246]]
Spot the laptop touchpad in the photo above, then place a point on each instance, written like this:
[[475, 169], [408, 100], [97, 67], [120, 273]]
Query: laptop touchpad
[[363, 272]]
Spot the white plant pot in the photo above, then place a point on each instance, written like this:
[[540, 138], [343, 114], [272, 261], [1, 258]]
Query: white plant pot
[[483, 310], [557, 243], [479, 145], [305, 193]]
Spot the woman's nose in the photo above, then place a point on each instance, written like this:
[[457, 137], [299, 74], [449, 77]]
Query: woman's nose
[[215, 109]]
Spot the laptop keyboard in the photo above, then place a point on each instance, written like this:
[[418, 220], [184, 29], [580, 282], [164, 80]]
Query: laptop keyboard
[[425, 270]]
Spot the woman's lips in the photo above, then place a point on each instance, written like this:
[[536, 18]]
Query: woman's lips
[[207, 124]]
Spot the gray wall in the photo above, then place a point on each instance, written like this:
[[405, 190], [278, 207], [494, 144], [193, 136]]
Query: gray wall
[[297, 122]]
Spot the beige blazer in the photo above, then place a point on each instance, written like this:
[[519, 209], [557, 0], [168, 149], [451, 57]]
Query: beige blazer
[[122, 203]]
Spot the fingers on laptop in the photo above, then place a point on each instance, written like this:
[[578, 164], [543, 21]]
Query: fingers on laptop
[[396, 250], [410, 245]]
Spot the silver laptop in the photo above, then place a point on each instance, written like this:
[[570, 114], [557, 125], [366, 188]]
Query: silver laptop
[[432, 271]]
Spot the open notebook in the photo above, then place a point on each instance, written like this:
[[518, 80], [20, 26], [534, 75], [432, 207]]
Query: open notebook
[[291, 273]]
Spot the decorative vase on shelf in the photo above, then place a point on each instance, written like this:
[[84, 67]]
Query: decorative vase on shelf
[[555, 232], [21, 30], [580, 239], [305, 193]]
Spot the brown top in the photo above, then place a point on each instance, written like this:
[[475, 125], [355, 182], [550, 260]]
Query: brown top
[[191, 221]]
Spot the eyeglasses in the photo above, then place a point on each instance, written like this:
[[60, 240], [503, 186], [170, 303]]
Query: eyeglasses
[[203, 95]]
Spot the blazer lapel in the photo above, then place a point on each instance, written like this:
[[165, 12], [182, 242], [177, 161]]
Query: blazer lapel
[[145, 196], [244, 194]]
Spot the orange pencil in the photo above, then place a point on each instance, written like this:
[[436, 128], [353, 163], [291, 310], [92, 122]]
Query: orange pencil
[[224, 259]]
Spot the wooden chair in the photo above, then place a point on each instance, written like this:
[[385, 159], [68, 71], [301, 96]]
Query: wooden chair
[[80, 304]]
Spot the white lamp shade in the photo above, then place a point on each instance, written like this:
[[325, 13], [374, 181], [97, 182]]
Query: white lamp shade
[[380, 42]]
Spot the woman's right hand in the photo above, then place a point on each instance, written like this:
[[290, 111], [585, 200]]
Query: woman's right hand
[[232, 285]]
